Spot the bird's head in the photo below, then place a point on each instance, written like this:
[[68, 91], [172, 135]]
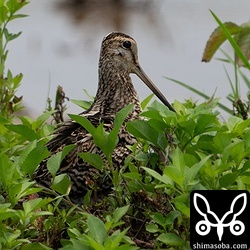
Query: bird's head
[[119, 53], [119, 50]]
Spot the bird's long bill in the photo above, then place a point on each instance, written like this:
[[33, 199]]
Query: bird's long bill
[[142, 75]]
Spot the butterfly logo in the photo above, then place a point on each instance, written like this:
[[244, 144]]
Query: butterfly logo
[[203, 227]]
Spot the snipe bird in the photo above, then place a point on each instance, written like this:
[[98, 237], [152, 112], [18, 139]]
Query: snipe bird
[[118, 59]]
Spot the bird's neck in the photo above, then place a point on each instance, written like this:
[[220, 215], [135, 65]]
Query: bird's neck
[[115, 91]]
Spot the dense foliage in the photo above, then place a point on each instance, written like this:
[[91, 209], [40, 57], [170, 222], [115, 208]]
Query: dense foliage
[[149, 206]]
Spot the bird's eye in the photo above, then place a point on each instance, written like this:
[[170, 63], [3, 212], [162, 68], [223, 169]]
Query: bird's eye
[[126, 44]]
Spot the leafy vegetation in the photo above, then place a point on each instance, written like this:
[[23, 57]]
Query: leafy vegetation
[[239, 38], [149, 206]]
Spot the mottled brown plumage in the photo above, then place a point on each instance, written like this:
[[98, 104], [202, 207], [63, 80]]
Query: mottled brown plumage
[[118, 58]]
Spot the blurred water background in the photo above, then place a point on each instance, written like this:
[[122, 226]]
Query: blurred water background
[[61, 40]]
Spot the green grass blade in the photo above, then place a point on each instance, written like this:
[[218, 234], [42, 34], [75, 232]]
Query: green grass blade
[[232, 41], [223, 107]]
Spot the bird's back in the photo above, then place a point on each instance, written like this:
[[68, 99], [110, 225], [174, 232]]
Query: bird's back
[[83, 176]]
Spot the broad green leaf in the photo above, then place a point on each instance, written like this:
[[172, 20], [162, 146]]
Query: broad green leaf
[[119, 213], [7, 170], [175, 174], [217, 38], [88, 241], [24, 131], [192, 172], [146, 101], [82, 104], [205, 123], [54, 162], [26, 151], [171, 216], [9, 37], [15, 5], [232, 41], [93, 159], [187, 125], [83, 121], [143, 130], [76, 244], [159, 219], [19, 190], [35, 204], [241, 126], [36, 245], [33, 159], [228, 179], [222, 140], [96, 228], [152, 228], [242, 40], [42, 119], [3, 14], [178, 160], [171, 239], [115, 239], [6, 212], [119, 120], [163, 178], [61, 184], [235, 150], [183, 208]]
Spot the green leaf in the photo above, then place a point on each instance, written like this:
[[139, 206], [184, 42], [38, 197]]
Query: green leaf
[[152, 228], [24, 131], [159, 219], [164, 179], [119, 213], [82, 104], [96, 228], [42, 119], [54, 162], [83, 121], [88, 241], [119, 120], [171, 239], [18, 16], [192, 172], [171, 216], [175, 174], [146, 101], [9, 37], [222, 140], [35, 204], [115, 239], [243, 39], [3, 14], [93, 159], [7, 170], [232, 41], [142, 129], [217, 38], [178, 160], [35, 245], [183, 208], [15, 5], [228, 179], [205, 123], [61, 184], [196, 91], [33, 159]]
